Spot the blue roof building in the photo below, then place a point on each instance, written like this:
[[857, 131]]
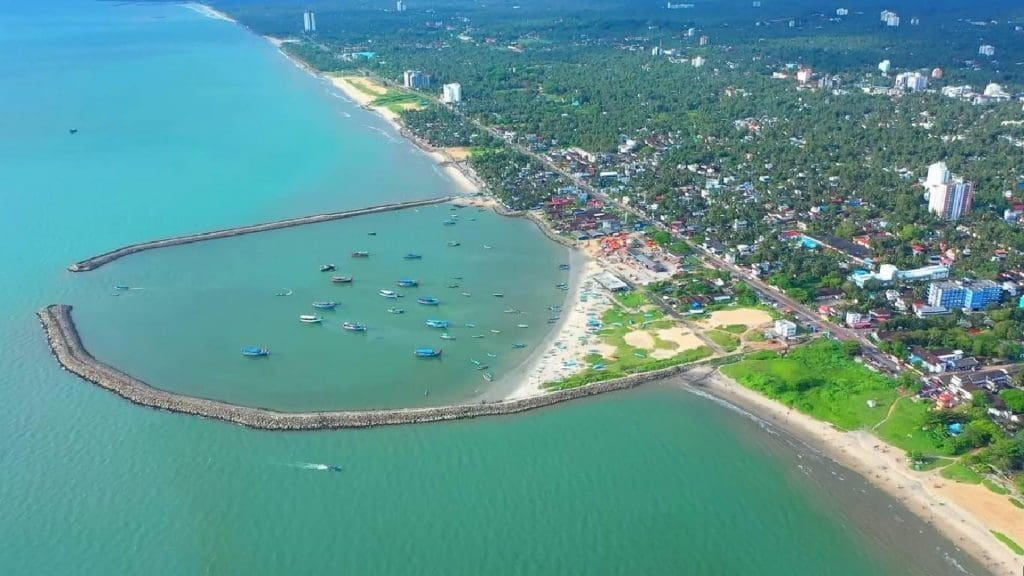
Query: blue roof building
[[969, 295]]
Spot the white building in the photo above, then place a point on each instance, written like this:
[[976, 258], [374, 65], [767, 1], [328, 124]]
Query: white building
[[948, 196], [986, 50], [842, 11], [890, 18], [804, 75], [309, 21], [416, 79], [704, 40], [785, 329], [400, 6], [698, 61], [911, 81], [451, 93], [884, 66]]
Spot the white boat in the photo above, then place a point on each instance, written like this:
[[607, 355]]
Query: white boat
[[389, 293], [310, 319]]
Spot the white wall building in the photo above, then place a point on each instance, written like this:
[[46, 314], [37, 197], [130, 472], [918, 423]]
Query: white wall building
[[785, 329], [948, 197], [698, 61], [986, 50], [451, 93], [911, 81], [884, 66], [309, 21]]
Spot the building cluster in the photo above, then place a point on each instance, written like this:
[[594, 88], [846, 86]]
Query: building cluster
[[890, 18], [416, 80], [308, 22], [949, 197], [911, 81]]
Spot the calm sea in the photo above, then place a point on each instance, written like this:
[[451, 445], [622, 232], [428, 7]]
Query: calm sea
[[187, 123]]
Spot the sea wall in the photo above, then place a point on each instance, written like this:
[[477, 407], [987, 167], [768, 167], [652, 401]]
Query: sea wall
[[72, 355], [107, 257]]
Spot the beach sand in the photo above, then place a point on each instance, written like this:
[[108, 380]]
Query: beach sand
[[749, 317], [209, 11], [964, 513]]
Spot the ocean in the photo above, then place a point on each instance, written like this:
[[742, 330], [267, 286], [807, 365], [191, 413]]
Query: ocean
[[186, 123]]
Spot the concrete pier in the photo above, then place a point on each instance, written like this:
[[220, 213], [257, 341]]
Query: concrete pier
[[72, 355], [107, 257]]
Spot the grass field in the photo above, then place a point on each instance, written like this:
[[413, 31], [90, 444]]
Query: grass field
[[727, 341], [819, 380], [1017, 549], [905, 428], [397, 101], [958, 472], [733, 328]]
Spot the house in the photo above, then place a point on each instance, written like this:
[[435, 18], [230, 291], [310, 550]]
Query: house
[[785, 329]]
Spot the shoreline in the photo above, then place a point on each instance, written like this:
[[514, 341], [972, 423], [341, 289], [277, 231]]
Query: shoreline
[[950, 507]]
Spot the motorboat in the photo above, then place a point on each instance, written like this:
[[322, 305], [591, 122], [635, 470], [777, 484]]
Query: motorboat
[[488, 376], [449, 222], [518, 346], [427, 352], [353, 326], [447, 336], [310, 319], [328, 268], [325, 305], [341, 279], [522, 325], [428, 300], [563, 266], [360, 254], [396, 310], [487, 246], [411, 256], [495, 331], [498, 295], [477, 336], [438, 323], [454, 243], [255, 351], [466, 294], [284, 293], [389, 293], [451, 285], [407, 283], [470, 325]]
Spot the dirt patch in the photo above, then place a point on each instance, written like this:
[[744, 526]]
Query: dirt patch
[[456, 153], [750, 317], [681, 337], [640, 339]]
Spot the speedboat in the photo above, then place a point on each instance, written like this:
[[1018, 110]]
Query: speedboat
[[495, 331], [255, 351], [447, 336], [407, 283], [449, 222], [353, 326], [487, 247], [522, 325], [328, 268], [334, 468], [396, 310], [310, 319], [411, 256], [427, 352], [518, 346], [360, 254], [454, 243], [428, 300], [477, 336], [498, 295], [388, 293], [438, 323], [325, 305], [284, 293], [488, 376], [341, 279], [466, 294]]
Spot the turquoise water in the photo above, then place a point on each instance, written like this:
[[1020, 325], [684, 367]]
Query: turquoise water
[[202, 302], [188, 124]]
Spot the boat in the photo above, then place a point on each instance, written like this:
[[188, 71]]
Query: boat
[[522, 325], [389, 293], [495, 331], [487, 247], [491, 355], [449, 222], [123, 287], [325, 305], [396, 310], [477, 336], [360, 254], [407, 283], [552, 320], [310, 319], [411, 256], [428, 300], [427, 352], [563, 266], [328, 268], [555, 308], [498, 295], [255, 351], [454, 243], [371, 233], [438, 323], [562, 286], [474, 362], [284, 293], [447, 336], [466, 294], [353, 326], [456, 277], [341, 279], [451, 285], [470, 325], [488, 376], [72, 130], [482, 367], [599, 366], [518, 346], [511, 311], [333, 468]]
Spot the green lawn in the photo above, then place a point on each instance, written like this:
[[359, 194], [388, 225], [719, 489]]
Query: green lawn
[[727, 341], [1017, 549], [733, 328], [397, 101], [620, 369], [995, 486], [632, 299], [819, 379], [905, 428], [1017, 503], [958, 472]]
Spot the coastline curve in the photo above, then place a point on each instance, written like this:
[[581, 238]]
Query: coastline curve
[[66, 345], [95, 262]]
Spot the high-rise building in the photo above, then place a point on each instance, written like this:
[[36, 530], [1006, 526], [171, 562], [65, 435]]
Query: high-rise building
[[416, 79], [911, 81], [309, 21], [986, 50], [400, 6], [804, 75], [451, 93], [968, 295], [885, 66], [842, 11], [698, 61], [948, 196], [704, 40]]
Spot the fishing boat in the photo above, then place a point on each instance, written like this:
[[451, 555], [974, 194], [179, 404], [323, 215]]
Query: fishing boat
[[554, 308], [428, 300], [466, 294], [284, 293], [491, 355], [488, 376], [477, 336], [522, 325], [341, 279], [447, 336], [454, 243], [474, 362], [371, 233], [353, 326], [427, 352], [495, 331], [325, 305], [562, 286], [456, 277], [360, 254], [411, 256], [482, 367], [518, 346], [552, 320], [451, 285], [123, 287], [438, 323], [563, 266], [449, 222], [396, 310], [407, 283], [255, 351], [388, 293], [328, 268], [470, 325], [512, 311], [310, 319], [487, 247], [498, 295]]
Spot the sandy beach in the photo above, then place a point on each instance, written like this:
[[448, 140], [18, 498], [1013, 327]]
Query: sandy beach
[[964, 513], [209, 11]]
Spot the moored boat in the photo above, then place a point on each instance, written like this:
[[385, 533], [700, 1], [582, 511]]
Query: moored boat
[[449, 222], [563, 266], [388, 293], [522, 325], [255, 351], [427, 352], [353, 326], [454, 243], [412, 256], [498, 295], [428, 300], [284, 293], [331, 305], [451, 285], [488, 376], [360, 254], [408, 283], [341, 279], [447, 336], [438, 323], [328, 268], [310, 319], [396, 310], [518, 346]]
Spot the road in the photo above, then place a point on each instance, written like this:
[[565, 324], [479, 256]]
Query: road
[[804, 313]]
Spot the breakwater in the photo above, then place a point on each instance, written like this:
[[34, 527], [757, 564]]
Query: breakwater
[[72, 355], [108, 257]]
